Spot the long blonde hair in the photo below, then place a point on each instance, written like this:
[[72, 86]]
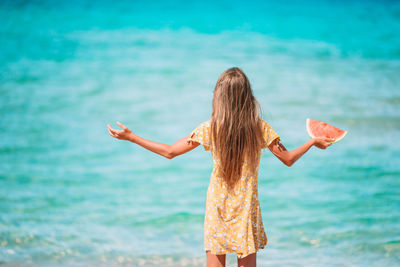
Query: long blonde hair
[[236, 132]]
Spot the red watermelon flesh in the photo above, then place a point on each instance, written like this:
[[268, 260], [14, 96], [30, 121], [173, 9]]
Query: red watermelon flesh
[[323, 129]]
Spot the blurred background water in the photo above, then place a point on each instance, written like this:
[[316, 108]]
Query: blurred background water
[[70, 195]]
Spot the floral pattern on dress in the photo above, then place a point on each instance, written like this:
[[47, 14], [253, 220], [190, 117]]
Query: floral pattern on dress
[[233, 222]]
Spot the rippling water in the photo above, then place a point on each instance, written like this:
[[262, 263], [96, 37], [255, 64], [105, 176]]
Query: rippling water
[[71, 195]]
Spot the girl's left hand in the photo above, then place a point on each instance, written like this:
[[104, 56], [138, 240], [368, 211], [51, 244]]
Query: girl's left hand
[[124, 134]]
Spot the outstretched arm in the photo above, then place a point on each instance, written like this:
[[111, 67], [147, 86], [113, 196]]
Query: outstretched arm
[[169, 151], [290, 157]]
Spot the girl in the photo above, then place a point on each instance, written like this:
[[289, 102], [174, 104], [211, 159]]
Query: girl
[[235, 134]]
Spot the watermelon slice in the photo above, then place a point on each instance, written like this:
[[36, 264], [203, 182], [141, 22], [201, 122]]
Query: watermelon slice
[[323, 129]]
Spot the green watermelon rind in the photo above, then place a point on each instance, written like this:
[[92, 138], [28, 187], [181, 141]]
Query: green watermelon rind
[[312, 136]]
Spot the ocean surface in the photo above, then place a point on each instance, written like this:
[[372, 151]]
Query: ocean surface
[[71, 195]]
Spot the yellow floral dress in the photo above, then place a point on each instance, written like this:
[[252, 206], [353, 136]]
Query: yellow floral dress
[[233, 222]]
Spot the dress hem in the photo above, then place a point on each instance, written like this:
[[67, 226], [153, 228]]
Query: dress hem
[[242, 255]]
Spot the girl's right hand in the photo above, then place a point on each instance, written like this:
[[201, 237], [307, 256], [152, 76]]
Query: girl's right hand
[[322, 142]]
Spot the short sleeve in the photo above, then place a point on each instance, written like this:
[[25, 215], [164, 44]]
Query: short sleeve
[[268, 133], [201, 135]]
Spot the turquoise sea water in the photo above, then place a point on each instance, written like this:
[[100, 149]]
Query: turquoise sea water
[[70, 195]]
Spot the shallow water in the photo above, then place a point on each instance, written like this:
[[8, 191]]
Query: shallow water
[[70, 195]]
